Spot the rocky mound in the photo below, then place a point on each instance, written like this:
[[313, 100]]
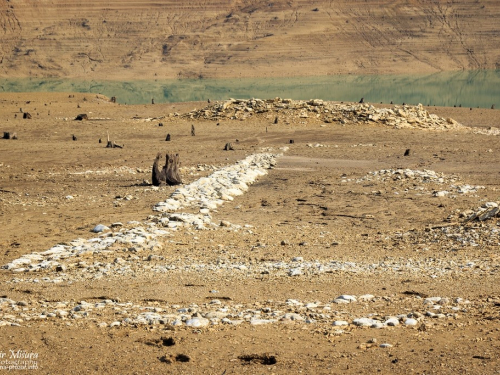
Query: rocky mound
[[405, 116]]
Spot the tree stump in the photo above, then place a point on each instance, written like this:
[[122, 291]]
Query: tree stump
[[192, 130], [26, 115], [158, 177], [9, 135], [172, 165], [169, 173], [168, 138], [112, 144], [113, 99]]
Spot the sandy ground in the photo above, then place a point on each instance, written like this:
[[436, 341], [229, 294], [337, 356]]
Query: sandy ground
[[390, 238]]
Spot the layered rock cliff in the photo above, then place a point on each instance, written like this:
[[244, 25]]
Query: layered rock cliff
[[144, 39]]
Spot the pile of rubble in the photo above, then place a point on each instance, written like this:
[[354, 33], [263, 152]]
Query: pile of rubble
[[487, 211], [405, 116]]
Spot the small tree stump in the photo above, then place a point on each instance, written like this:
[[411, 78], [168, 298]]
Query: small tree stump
[[172, 165], [169, 173], [74, 137], [9, 135], [168, 138], [192, 130], [158, 177], [407, 152], [112, 144], [26, 115], [276, 120], [82, 117], [113, 99]]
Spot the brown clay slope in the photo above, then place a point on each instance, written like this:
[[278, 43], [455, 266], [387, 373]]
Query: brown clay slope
[[167, 39]]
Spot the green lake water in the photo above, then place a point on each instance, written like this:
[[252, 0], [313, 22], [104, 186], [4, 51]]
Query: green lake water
[[468, 89]]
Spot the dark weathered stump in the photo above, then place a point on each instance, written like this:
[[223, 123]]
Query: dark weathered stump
[[9, 135], [168, 137], [407, 152], [172, 165], [169, 173], [192, 130], [158, 177], [74, 137], [276, 120], [292, 141], [112, 144], [26, 115], [82, 117], [228, 147], [113, 99], [362, 100]]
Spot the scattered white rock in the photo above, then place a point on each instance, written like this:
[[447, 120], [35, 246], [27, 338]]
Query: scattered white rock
[[100, 228], [197, 322]]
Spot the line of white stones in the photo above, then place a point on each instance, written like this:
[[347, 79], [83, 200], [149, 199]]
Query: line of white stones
[[207, 193]]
